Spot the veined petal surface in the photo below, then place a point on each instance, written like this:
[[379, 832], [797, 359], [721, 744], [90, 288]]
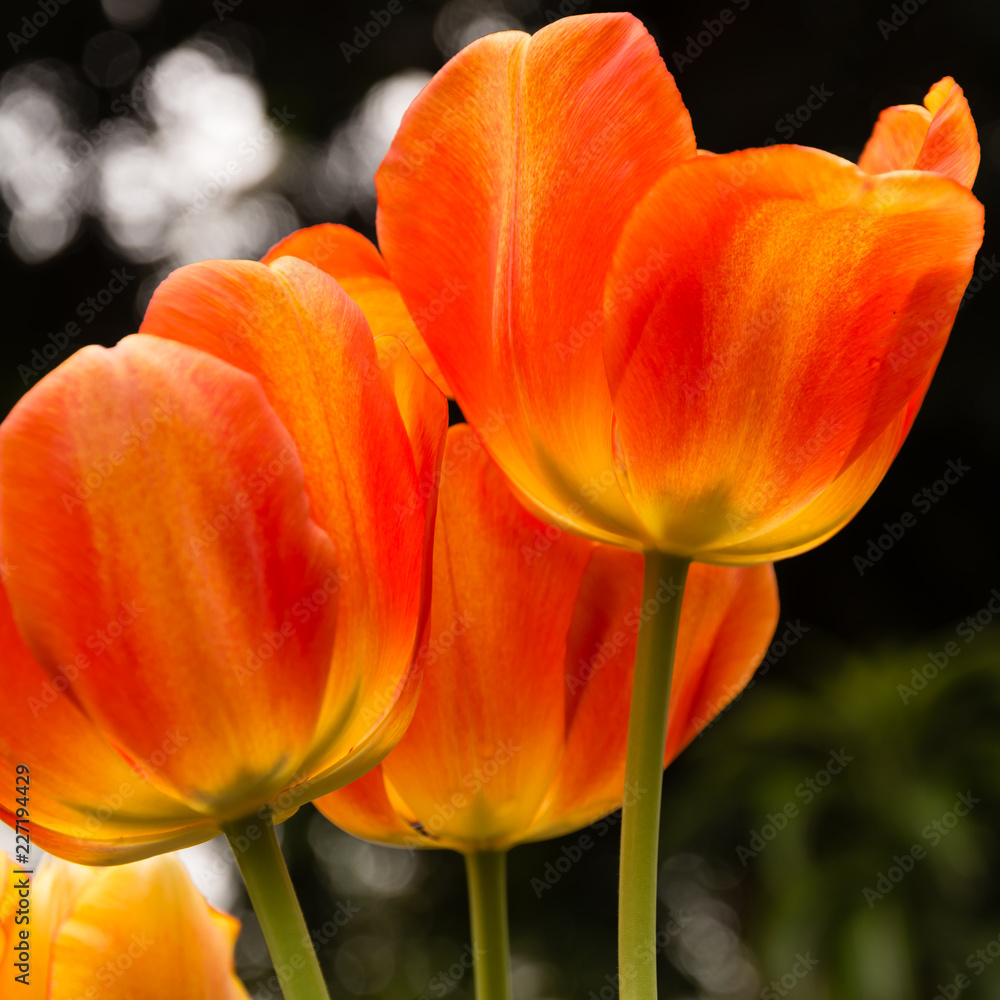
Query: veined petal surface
[[500, 203], [155, 508], [803, 306]]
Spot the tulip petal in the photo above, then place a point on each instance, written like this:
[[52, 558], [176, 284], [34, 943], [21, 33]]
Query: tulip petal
[[357, 266], [86, 804], [804, 306], [50, 903], [824, 516], [365, 810], [599, 664], [896, 139], [155, 508], [296, 330], [490, 725], [728, 618], [500, 204], [387, 701], [144, 930], [941, 137]]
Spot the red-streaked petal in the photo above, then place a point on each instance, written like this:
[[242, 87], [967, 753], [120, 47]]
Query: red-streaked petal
[[728, 618], [298, 332], [364, 809], [941, 136], [500, 203], [387, 701], [896, 139], [488, 732], [600, 658], [824, 516], [86, 804], [357, 266], [149, 541], [803, 305]]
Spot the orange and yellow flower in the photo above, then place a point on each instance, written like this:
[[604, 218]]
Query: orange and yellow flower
[[117, 933], [527, 657], [215, 538], [712, 356]]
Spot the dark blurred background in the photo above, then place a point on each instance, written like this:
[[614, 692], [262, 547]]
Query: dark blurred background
[[139, 135]]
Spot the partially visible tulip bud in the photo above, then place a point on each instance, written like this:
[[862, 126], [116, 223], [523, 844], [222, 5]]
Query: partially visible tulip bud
[[141, 930]]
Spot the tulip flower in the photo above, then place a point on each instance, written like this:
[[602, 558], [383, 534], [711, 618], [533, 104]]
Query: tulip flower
[[527, 655], [214, 537], [698, 357], [725, 352], [138, 930]]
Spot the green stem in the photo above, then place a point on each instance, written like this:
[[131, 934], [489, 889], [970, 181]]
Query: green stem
[[258, 854], [487, 875], [662, 595]]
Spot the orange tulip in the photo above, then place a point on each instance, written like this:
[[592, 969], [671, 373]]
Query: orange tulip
[[137, 931], [712, 356], [519, 733], [214, 540], [940, 137], [703, 358]]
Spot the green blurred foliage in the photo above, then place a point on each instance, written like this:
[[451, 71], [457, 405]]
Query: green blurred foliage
[[829, 776]]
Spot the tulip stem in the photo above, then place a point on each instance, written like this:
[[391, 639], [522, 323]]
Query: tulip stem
[[487, 875], [662, 596], [258, 854]]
